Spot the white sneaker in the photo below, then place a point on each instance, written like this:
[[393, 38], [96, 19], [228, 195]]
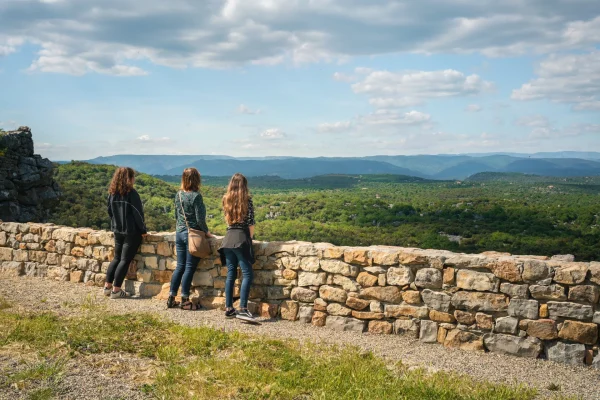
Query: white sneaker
[[246, 316], [121, 294]]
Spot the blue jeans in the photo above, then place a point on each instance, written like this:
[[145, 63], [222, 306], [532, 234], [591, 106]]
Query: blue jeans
[[233, 257], [186, 266]]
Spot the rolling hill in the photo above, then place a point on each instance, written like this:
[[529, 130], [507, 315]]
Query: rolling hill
[[441, 167]]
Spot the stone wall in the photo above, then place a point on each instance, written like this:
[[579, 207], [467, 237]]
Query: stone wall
[[518, 305], [27, 190]]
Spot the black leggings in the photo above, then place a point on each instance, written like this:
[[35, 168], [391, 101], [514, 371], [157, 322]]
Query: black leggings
[[126, 246]]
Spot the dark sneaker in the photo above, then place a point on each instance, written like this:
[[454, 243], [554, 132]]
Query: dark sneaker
[[230, 313], [245, 315], [121, 294]]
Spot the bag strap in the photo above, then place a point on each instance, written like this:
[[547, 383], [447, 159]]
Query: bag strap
[[183, 211]]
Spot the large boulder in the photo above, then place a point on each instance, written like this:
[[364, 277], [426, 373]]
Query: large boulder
[[479, 281], [570, 310], [439, 301], [513, 345], [565, 353], [345, 324], [475, 301]]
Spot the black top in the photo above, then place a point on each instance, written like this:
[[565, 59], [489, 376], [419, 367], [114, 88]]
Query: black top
[[248, 221], [195, 211], [126, 213]]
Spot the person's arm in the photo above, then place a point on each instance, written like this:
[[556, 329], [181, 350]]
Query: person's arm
[[200, 210], [138, 212], [251, 228], [109, 207]]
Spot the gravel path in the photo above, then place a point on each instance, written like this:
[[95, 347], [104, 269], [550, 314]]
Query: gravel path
[[580, 381]]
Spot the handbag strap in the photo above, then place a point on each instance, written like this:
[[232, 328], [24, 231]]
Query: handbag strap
[[183, 211]]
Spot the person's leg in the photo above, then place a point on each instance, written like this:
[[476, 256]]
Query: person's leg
[[181, 246], [232, 263], [191, 264], [110, 273], [130, 249], [247, 278]]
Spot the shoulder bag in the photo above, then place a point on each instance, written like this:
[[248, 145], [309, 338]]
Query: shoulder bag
[[198, 243]]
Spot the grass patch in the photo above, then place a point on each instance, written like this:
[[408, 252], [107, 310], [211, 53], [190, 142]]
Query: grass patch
[[39, 380], [205, 363], [40, 372], [4, 304]]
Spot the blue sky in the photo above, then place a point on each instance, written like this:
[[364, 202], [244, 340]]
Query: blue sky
[[301, 77]]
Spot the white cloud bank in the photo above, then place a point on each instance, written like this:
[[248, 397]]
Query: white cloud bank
[[111, 36], [568, 78]]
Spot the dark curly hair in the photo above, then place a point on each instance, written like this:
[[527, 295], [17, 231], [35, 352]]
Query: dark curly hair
[[122, 181]]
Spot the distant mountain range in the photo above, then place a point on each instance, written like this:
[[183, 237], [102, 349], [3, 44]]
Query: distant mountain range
[[441, 167]]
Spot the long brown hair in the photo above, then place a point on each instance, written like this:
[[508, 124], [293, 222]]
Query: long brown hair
[[190, 180], [122, 181], [235, 201]]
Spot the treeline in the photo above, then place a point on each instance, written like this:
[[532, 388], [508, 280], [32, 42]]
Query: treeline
[[520, 216], [85, 192]]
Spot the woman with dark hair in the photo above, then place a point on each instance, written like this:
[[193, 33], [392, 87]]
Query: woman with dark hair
[[190, 211], [237, 244], [127, 222]]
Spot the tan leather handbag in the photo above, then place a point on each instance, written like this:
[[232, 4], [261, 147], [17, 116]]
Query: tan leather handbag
[[198, 243]]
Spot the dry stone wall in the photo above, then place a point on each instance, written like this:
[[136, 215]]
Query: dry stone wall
[[524, 306]]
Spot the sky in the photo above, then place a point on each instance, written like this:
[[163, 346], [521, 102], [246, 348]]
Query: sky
[[301, 77]]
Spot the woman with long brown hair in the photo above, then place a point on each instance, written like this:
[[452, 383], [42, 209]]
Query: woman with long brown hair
[[127, 222], [190, 213], [237, 244]]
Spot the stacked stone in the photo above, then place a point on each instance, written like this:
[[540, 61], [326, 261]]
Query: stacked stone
[[27, 190], [524, 306]]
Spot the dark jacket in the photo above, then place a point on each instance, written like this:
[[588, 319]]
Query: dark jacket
[[126, 214], [238, 238]]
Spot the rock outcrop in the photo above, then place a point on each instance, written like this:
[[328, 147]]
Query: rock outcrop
[[27, 190]]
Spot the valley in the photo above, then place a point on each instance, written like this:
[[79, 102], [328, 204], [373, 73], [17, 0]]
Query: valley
[[506, 212]]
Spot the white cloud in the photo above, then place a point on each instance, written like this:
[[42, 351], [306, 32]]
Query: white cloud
[[390, 102], [387, 89], [549, 132], [395, 118], [8, 125], [9, 45], [111, 36], [542, 128], [335, 127], [532, 120], [568, 78], [473, 108], [147, 139], [273, 134], [243, 109], [342, 77]]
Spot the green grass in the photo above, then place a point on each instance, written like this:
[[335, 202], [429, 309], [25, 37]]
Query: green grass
[[205, 363]]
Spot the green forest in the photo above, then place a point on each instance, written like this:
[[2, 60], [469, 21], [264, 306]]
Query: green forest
[[516, 213]]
